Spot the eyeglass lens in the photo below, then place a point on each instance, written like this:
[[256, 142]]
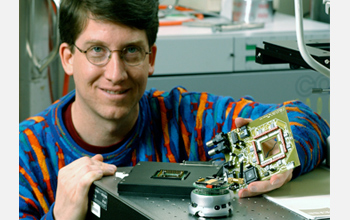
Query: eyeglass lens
[[132, 55]]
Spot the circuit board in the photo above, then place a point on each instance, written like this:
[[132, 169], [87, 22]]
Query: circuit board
[[256, 151]]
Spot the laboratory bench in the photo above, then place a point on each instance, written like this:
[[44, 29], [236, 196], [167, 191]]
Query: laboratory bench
[[310, 188], [223, 63]]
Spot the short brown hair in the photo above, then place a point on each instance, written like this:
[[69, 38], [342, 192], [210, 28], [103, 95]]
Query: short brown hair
[[140, 14]]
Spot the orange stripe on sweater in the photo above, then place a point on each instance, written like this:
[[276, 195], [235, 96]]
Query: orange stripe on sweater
[[60, 156], [37, 118], [185, 136], [295, 109], [289, 102], [199, 125], [229, 108], [165, 129], [29, 201], [181, 90], [41, 160], [36, 191], [157, 93], [296, 124], [239, 106]]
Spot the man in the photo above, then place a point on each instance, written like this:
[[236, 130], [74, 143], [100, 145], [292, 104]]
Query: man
[[109, 120]]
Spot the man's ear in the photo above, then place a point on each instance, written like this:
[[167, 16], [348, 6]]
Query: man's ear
[[67, 58], [152, 60]]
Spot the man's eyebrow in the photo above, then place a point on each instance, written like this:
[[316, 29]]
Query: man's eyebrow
[[93, 42], [125, 44], [136, 42]]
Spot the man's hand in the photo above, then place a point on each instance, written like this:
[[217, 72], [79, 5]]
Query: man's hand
[[74, 181], [260, 187]]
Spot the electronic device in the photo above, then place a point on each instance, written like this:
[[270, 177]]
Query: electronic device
[[211, 198], [166, 179], [258, 150], [253, 152]]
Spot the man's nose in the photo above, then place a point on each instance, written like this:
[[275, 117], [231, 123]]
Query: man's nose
[[115, 68]]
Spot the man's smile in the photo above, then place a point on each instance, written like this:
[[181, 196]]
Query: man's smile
[[115, 92]]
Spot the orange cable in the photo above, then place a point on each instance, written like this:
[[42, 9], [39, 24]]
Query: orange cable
[[179, 8]]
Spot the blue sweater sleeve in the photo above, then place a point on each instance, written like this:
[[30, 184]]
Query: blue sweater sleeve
[[199, 116]]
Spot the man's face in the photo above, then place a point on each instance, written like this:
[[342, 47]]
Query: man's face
[[111, 91]]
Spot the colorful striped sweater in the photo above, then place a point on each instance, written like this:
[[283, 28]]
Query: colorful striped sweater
[[172, 127]]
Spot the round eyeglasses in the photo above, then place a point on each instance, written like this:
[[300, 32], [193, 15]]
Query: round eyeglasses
[[100, 55]]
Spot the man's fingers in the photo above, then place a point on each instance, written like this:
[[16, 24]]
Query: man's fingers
[[108, 169], [242, 121], [95, 163], [260, 187], [256, 188], [94, 171], [97, 157], [85, 170], [98, 165], [87, 179], [74, 181]]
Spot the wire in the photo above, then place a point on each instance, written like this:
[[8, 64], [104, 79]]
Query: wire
[[221, 158], [183, 10], [267, 154], [301, 44], [51, 46]]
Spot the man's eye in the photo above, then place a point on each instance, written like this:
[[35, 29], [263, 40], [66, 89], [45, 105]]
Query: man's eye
[[97, 49], [132, 49]]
